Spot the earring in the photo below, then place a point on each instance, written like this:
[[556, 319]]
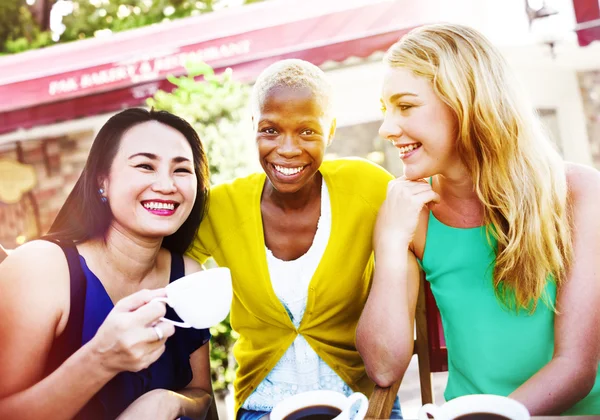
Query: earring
[[102, 197]]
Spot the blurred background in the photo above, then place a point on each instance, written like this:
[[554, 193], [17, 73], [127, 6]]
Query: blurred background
[[68, 65]]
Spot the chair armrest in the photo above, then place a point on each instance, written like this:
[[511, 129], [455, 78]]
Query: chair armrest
[[382, 401]]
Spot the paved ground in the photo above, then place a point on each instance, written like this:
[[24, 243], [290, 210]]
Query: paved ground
[[410, 393]]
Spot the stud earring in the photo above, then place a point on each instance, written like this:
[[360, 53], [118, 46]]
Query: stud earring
[[102, 197]]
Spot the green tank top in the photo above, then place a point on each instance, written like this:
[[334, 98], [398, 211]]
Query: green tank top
[[491, 349]]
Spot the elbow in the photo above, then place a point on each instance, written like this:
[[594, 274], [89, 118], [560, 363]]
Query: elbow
[[584, 370], [581, 374], [587, 380], [388, 368], [385, 361], [385, 379]]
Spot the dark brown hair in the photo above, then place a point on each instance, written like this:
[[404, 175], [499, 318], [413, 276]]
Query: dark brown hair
[[85, 216]]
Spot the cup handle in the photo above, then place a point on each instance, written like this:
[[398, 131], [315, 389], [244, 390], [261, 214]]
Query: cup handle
[[432, 410], [176, 323], [362, 409]]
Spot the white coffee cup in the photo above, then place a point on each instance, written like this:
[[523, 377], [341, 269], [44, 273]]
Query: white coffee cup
[[201, 299], [327, 398], [479, 403]]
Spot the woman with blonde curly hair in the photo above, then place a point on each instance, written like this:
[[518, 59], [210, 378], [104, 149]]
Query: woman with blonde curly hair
[[505, 231]]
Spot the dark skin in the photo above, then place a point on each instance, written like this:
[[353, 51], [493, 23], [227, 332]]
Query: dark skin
[[289, 233], [292, 134]]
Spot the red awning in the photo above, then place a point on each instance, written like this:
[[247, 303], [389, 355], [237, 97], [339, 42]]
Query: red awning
[[106, 74], [587, 15]]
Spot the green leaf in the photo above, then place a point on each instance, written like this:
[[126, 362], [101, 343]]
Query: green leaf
[[197, 68]]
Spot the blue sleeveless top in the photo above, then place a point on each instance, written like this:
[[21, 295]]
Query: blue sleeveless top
[[171, 371]]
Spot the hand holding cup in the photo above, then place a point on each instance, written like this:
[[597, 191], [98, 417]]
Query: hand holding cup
[[132, 337]]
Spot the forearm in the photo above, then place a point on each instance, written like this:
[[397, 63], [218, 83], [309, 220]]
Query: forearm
[[63, 393], [385, 332], [556, 387], [194, 403]]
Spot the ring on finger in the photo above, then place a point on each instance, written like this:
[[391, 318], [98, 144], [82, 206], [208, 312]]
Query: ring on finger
[[159, 333]]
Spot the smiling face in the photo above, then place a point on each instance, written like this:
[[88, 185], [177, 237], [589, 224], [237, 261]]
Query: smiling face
[[151, 186], [292, 132], [419, 124]]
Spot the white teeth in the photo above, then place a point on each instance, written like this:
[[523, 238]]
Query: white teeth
[[410, 147], [159, 206], [288, 171]]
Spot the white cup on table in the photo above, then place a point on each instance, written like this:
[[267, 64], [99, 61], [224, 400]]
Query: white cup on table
[[492, 407], [324, 404]]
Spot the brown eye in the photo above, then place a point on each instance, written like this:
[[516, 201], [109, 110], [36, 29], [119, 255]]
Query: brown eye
[[145, 166], [268, 130]]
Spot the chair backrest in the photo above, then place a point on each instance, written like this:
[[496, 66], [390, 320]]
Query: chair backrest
[[438, 354]]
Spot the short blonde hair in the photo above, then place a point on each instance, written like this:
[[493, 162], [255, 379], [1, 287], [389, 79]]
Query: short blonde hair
[[296, 74], [516, 172]]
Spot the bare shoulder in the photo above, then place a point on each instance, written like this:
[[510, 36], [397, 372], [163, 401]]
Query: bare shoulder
[[583, 181], [584, 195], [191, 265], [36, 275], [36, 257]]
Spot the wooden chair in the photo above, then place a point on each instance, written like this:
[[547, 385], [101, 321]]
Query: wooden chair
[[430, 348]]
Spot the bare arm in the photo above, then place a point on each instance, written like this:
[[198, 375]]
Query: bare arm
[[34, 298], [385, 332], [197, 399], [571, 373], [34, 285], [193, 401]]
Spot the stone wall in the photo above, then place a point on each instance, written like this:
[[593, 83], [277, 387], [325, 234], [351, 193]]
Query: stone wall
[[57, 163]]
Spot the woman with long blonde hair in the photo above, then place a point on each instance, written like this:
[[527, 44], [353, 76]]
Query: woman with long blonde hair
[[505, 231]]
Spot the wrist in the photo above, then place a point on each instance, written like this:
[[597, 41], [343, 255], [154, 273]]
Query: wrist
[[96, 365], [392, 248], [390, 237]]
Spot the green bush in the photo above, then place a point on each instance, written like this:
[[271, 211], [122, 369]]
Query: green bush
[[217, 107]]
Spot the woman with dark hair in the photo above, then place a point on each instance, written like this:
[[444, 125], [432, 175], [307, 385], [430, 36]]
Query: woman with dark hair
[[68, 350]]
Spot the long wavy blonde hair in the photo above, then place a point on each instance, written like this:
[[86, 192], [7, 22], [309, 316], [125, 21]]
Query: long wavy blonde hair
[[517, 174]]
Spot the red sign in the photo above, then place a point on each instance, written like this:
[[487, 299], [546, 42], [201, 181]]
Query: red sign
[[116, 75], [102, 75]]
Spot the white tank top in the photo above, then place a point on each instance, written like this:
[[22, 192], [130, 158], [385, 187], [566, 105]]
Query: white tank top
[[300, 369]]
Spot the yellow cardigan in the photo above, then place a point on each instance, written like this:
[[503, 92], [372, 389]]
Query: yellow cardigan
[[232, 234]]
